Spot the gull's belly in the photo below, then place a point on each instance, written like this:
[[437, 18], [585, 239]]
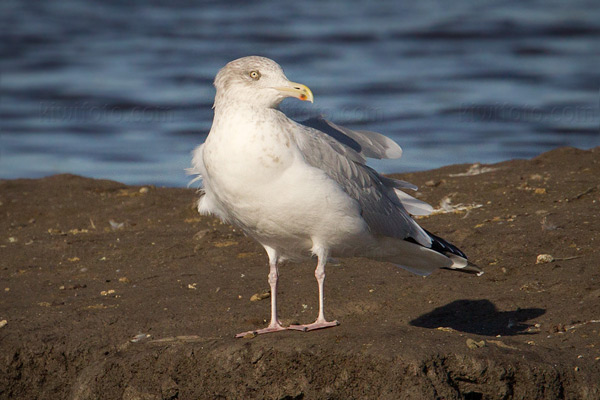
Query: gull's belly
[[306, 208], [283, 202]]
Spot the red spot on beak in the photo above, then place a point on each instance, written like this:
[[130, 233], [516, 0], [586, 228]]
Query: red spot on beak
[[302, 97]]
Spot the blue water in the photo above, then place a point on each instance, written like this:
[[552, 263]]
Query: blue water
[[123, 90]]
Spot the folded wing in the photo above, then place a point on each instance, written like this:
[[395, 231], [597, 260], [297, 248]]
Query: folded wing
[[341, 153]]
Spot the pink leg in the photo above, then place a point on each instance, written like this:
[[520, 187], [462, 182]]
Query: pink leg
[[321, 322], [274, 325]]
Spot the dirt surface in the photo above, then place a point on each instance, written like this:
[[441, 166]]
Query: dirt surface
[[117, 292]]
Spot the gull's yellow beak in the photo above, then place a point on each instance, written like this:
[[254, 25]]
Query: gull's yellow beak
[[296, 90]]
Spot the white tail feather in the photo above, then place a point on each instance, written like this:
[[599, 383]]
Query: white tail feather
[[412, 205]]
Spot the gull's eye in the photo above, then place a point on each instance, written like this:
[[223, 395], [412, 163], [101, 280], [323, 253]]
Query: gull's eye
[[255, 75]]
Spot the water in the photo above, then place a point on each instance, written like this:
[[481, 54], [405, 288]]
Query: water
[[123, 90]]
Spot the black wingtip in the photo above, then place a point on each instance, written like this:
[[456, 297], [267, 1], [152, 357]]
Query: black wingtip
[[451, 251], [442, 246]]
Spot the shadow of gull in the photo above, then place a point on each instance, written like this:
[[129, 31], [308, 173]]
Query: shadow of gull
[[480, 317]]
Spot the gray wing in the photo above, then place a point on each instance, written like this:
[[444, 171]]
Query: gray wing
[[364, 143], [369, 144], [341, 153]]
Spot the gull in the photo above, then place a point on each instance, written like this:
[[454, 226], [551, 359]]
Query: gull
[[303, 190]]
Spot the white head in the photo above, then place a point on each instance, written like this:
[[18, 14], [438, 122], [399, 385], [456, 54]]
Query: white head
[[256, 81]]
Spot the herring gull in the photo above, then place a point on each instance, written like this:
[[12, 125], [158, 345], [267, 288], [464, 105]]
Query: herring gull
[[303, 189]]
